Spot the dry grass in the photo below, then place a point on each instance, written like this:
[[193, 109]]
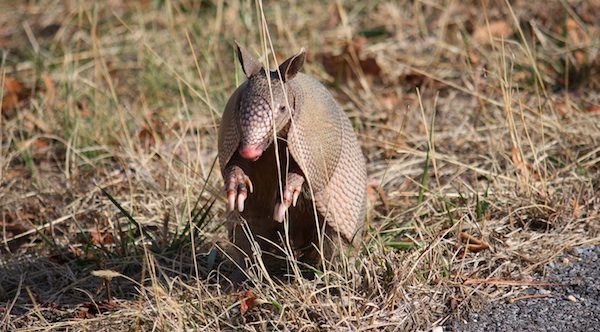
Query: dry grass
[[480, 121]]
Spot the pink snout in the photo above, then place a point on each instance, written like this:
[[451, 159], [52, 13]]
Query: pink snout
[[250, 153]]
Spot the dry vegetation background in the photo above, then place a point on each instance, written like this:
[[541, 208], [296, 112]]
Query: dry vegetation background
[[480, 121]]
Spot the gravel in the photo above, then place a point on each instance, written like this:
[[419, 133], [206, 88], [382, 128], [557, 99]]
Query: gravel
[[572, 305]]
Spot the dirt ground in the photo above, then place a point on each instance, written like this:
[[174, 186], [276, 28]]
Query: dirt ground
[[570, 301]]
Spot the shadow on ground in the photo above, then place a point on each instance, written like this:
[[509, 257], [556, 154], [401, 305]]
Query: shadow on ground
[[61, 285]]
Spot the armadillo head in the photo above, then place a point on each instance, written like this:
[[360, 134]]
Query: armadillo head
[[267, 103]]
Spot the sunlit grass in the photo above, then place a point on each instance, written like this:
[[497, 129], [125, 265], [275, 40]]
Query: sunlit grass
[[482, 152]]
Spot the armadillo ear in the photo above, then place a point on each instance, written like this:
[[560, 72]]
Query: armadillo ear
[[249, 65], [290, 67]]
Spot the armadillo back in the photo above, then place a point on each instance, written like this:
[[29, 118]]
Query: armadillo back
[[229, 135], [323, 142]]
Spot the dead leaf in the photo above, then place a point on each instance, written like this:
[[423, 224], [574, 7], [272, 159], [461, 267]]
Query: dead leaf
[[154, 128], [375, 192], [497, 29], [39, 144], [370, 66], [593, 109], [50, 90], [578, 38], [11, 85], [247, 300], [146, 136], [89, 310], [389, 101], [476, 247], [83, 108], [572, 31], [519, 163], [473, 244], [576, 209], [83, 313], [13, 173], [75, 251], [473, 58], [35, 143], [99, 238], [562, 107], [351, 61], [13, 92], [30, 122], [334, 16], [579, 58]]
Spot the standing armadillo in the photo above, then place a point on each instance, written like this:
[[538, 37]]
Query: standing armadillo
[[287, 118]]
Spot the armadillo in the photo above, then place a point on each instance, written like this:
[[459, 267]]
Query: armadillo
[[287, 151]]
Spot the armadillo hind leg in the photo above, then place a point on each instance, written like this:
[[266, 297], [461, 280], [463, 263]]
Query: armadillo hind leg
[[243, 252]]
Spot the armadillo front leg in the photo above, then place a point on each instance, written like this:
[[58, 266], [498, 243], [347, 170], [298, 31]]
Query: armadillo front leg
[[237, 184], [291, 192]]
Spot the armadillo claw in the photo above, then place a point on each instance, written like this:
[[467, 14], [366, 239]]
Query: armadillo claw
[[292, 191], [287, 196], [291, 197], [281, 207], [249, 184], [240, 202], [230, 201], [279, 212], [237, 184], [236, 200]]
